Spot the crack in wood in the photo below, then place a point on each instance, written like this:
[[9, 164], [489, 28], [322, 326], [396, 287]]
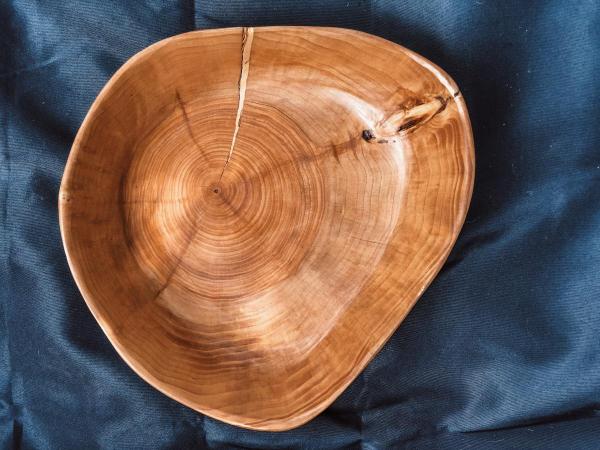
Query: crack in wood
[[179, 258], [247, 35], [186, 119]]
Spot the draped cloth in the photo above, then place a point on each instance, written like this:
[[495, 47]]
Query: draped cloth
[[502, 351]]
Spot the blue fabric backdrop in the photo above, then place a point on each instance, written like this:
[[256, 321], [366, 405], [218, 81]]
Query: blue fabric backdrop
[[503, 351]]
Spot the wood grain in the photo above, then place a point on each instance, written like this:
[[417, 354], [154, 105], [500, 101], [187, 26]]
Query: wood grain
[[250, 213]]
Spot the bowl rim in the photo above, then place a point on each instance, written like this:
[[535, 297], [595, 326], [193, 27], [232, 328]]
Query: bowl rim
[[147, 376]]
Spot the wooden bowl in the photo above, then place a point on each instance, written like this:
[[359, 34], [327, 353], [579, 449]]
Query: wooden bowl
[[250, 213]]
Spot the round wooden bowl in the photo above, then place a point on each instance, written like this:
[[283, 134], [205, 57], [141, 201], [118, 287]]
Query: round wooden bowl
[[250, 213]]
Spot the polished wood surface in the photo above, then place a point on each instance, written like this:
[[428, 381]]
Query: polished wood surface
[[250, 213]]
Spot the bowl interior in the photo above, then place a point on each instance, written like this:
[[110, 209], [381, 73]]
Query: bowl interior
[[250, 213]]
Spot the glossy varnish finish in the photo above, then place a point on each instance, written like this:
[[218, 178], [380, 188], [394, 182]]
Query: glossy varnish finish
[[250, 213]]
